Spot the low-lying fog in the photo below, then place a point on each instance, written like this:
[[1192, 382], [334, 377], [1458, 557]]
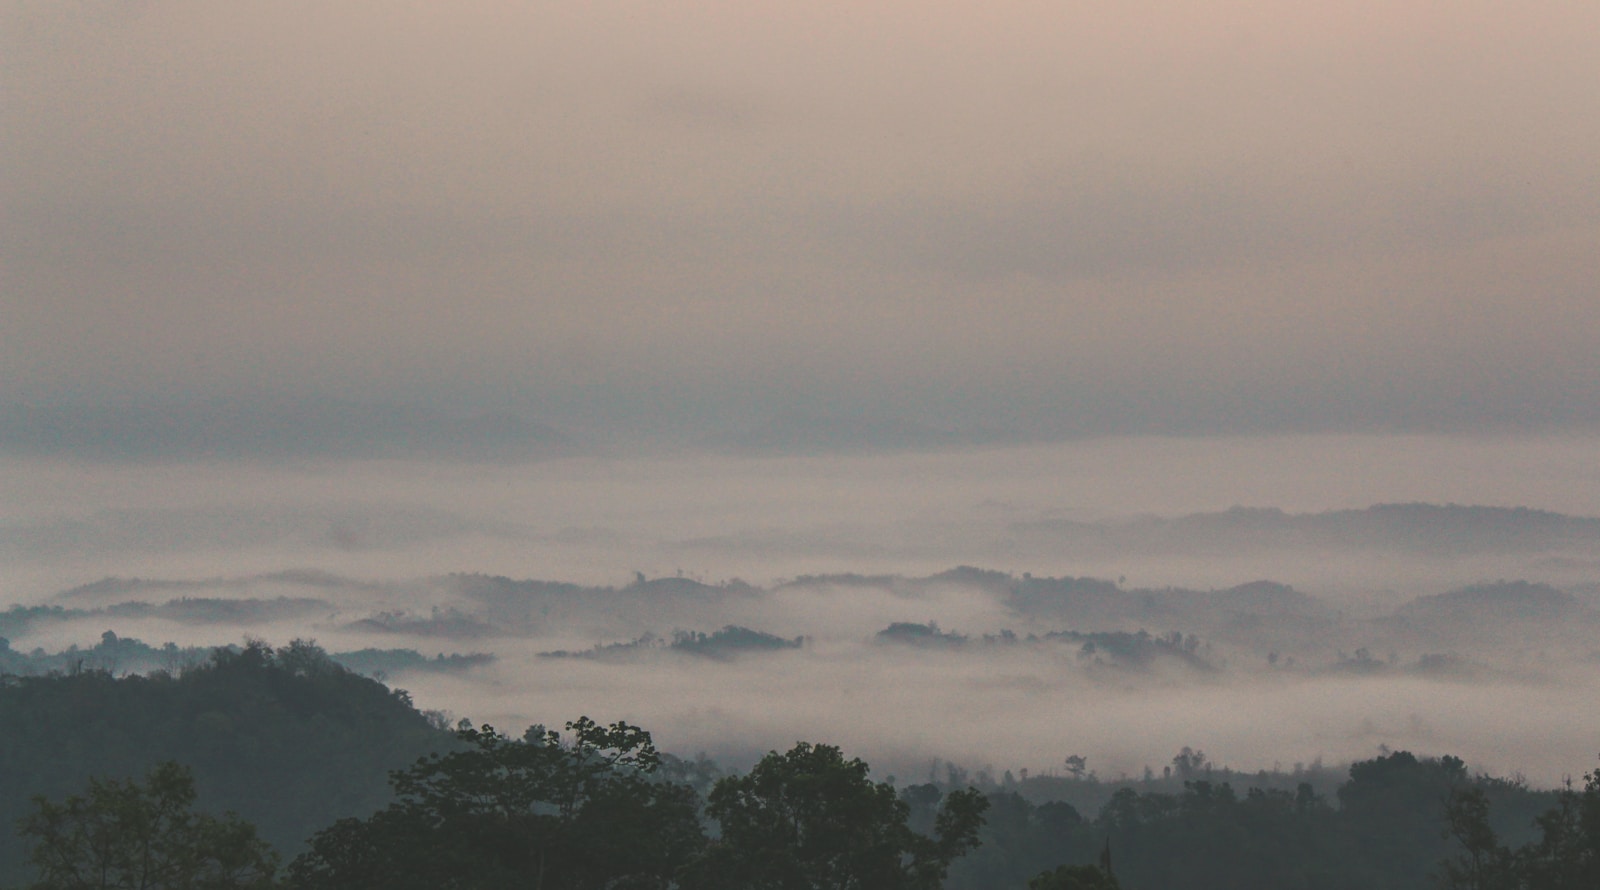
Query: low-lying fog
[[1112, 609]]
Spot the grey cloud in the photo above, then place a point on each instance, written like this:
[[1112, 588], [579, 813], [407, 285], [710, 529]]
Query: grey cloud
[[718, 109], [1032, 221], [233, 528], [274, 429]]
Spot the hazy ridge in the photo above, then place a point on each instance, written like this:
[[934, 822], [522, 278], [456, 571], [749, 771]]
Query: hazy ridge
[[993, 645]]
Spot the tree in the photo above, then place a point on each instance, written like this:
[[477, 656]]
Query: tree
[[1393, 810], [809, 818], [1190, 763], [319, 741], [1018, 840], [124, 834], [1567, 854], [537, 812], [1483, 863], [1075, 877]]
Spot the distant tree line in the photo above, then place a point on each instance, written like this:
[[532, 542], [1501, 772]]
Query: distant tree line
[[537, 812], [125, 655], [342, 783], [286, 737]]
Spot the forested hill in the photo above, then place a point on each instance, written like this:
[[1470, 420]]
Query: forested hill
[[298, 745], [1438, 529], [287, 738]]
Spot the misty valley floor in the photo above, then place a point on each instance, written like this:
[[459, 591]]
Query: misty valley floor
[[1316, 626]]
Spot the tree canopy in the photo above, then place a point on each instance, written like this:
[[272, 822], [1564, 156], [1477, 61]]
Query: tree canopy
[[297, 737], [283, 736], [537, 812], [1075, 877], [143, 836], [809, 818]]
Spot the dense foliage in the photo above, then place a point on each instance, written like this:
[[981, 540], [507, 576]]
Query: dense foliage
[[810, 818], [1566, 855], [532, 812], [300, 746], [128, 834], [1075, 877], [286, 738]]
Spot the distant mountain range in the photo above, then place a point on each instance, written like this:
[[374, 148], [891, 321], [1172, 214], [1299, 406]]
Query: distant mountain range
[[1424, 528], [221, 428]]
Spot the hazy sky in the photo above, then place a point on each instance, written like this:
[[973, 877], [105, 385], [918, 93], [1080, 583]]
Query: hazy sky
[[1036, 217], [333, 228]]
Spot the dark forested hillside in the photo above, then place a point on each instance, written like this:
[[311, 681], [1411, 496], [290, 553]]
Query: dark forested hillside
[[287, 738], [305, 749]]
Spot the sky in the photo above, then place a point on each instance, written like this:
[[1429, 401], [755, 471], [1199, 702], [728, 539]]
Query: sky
[[769, 290], [793, 226]]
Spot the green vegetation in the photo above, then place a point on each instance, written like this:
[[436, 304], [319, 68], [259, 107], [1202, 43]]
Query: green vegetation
[[1075, 877], [810, 818], [355, 788], [1565, 856], [286, 738], [145, 836], [723, 645], [123, 655], [529, 812]]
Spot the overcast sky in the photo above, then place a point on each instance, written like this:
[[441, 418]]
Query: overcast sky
[[1027, 218]]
